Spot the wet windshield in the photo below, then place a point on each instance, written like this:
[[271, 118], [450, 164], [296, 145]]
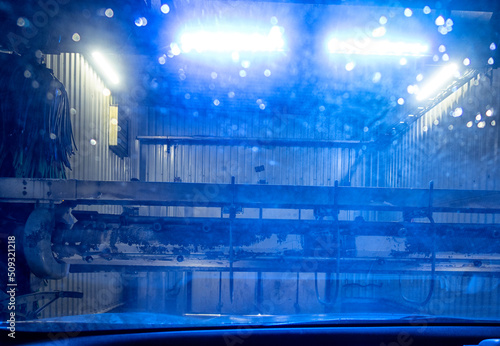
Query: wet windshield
[[177, 163]]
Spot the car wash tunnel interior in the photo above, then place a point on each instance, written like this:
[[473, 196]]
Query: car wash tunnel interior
[[249, 158]]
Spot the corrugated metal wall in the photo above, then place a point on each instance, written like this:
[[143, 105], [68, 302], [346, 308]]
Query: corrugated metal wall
[[90, 119]]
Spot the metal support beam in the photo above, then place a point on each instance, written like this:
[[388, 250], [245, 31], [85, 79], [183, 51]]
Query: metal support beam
[[249, 196]]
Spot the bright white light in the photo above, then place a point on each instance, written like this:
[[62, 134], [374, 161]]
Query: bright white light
[[446, 57], [403, 61], [489, 112], [408, 12], [379, 32], [440, 21], [383, 20], [442, 48], [106, 68], [493, 46], [230, 41], [419, 77], [106, 92], [438, 81], [267, 72], [491, 61], [466, 62], [401, 101], [165, 8], [376, 47]]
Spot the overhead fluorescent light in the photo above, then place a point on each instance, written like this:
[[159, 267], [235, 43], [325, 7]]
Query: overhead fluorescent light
[[368, 46], [106, 68], [437, 82], [230, 41]]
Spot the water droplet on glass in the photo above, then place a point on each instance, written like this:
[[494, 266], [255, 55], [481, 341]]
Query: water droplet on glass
[[235, 56], [230, 94], [141, 21], [187, 96], [213, 75], [93, 142], [442, 48], [446, 57], [52, 136], [436, 122], [427, 10], [350, 66], [114, 121], [27, 74], [216, 102], [443, 30], [419, 77], [408, 12], [109, 13], [162, 60], [175, 48], [72, 111], [489, 112], [321, 108], [401, 101], [469, 124], [267, 72], [458, 112], [379, 32], [165, 8], [493, 123], [274, 20], [481, 124], [403, 61], [493, 46], [491, 61], [466, 62], [435, 58], [478, 116], [243, 73], [245, 64], [106, 92], [439, 21], [366, 129], [383, 20], [450, 127], [376, 77], [262, 106], [21, 22]]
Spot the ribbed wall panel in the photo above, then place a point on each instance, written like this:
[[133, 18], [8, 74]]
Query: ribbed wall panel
[[90, 121], [101, 292]]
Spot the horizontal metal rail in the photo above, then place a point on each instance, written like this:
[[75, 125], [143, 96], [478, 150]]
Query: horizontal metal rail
[[250, 196], [251, 142]]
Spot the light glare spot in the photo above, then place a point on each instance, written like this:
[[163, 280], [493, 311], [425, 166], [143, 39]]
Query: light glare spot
[[493, 46], [408, 12], [446, 57], [489, 112], [419, 77], [469, 124], [106, 92], [350, 66], [427, 10], [75, 37], [93, 141], [245, 64], [478, 117], [401, 101], [267, 72], [403, 61], [376, 77], [109, 13], [481, 124], [466, 62], [262, 106], [491, 61]]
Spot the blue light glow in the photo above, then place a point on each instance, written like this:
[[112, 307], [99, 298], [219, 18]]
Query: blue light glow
[[230, 41], [376, 47]]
